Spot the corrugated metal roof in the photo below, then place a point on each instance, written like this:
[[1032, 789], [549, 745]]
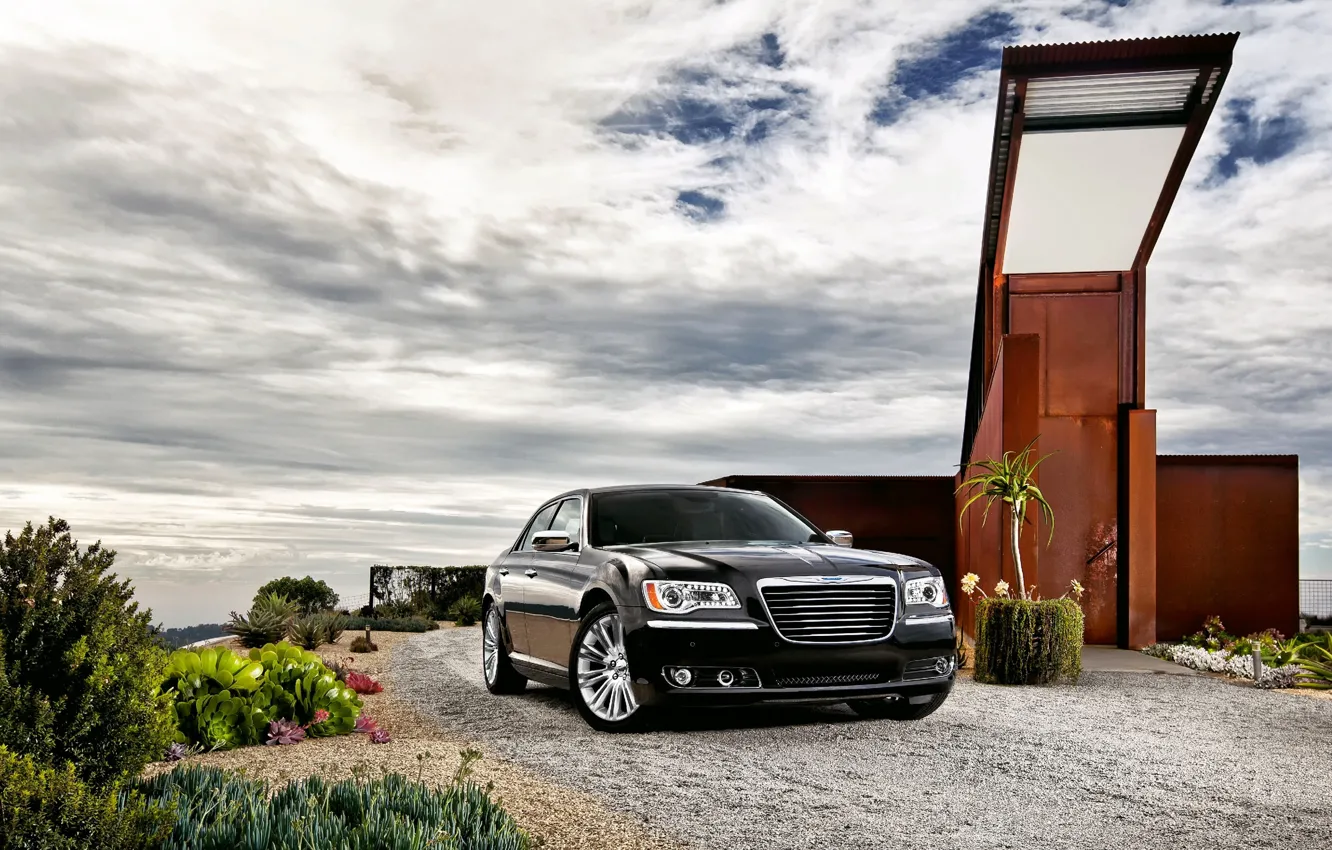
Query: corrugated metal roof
[[1170, 48]]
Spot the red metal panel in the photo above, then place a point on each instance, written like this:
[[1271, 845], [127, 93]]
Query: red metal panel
[[1021, 417], [1141, 528], [1079, 350], [912, 515], [1069, 284], [1227, 538], [1080, 483]]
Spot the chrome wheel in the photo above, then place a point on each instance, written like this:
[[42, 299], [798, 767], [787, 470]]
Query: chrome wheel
[[603, 671], [490, 646]]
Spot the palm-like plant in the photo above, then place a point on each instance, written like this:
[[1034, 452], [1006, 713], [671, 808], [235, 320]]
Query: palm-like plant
[[1009, 479]]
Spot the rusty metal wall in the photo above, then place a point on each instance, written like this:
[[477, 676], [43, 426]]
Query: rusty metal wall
[[1227, 543], [1078, 323], [912, 515]]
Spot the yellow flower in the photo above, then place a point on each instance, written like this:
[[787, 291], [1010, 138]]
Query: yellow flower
[[1001, 589], [969, 582]]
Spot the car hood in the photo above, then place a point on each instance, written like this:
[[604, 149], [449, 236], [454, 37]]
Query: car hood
[[758, 560]]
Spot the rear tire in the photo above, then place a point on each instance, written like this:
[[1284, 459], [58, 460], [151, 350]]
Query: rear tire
[[496, 669], [897, 709]]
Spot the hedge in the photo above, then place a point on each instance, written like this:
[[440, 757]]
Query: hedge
[[1022, 642]]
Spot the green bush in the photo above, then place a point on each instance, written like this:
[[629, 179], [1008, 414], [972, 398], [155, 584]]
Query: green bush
[[309, 594], [79, 663], [45, 808], [1021, 642], [271, 619], [223, 700], [314, 630], [409, 624], [217, 810], [466, 611]]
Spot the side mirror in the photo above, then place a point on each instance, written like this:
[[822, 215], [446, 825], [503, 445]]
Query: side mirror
[[552, 541], [840, 538]]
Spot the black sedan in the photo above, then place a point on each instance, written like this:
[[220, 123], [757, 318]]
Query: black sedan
[[643, 598]]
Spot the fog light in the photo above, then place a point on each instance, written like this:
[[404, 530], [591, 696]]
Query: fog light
[[725, 678], [943, 665], [681, 676]]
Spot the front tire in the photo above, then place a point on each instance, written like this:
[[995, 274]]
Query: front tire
[[496, 668], [897, 709], [599, 677]]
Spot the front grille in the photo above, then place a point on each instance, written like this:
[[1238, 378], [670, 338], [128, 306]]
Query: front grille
[[827, 681], [807, 612]]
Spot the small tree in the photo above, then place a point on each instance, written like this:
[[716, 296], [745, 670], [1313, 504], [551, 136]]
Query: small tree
[[310, 594], [1011, 480], [79, 663]]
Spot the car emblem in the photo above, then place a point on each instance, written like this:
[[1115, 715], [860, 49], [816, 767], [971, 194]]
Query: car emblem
[[828, 579]]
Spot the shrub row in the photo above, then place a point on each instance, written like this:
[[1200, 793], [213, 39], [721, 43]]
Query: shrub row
[[407, 624], [217, 810]]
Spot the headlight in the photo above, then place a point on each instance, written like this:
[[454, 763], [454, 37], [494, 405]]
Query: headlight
[[926, 591], [681, 597]]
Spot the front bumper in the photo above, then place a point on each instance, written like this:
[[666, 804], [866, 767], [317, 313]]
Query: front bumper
[[788, 672]]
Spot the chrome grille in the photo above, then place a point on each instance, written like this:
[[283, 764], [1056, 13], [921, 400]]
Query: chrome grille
[[810, 611]]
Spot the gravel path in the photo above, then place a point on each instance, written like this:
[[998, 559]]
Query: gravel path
[[1122, 759]]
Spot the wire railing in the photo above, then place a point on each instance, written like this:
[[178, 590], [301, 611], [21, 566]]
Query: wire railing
[[1316, 600]]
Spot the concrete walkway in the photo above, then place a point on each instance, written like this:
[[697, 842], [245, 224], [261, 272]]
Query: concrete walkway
[[1109, 659]]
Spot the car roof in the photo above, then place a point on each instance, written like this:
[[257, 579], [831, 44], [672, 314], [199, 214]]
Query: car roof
[[630, 488]]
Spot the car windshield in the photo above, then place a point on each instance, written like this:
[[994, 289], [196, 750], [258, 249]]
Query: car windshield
[[669, 516]]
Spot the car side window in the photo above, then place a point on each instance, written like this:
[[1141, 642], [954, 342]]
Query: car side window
[[569, 518], [540, 522]]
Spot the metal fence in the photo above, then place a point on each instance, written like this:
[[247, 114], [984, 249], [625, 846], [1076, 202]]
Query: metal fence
[[1316, 600]]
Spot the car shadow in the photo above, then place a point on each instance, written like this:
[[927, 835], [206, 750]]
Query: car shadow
[[707, 719]]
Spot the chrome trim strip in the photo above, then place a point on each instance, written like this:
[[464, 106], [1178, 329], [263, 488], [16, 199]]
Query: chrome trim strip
[[533, 661], [701, 624], [921, 621], [861, 581]]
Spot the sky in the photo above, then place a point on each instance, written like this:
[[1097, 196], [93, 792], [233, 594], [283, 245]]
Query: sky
[[297, 288]]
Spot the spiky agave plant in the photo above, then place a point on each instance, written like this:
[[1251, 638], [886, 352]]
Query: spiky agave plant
[[1009, 479], [1316, 672]]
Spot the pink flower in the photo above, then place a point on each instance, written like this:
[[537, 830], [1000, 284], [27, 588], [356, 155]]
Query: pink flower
[[379, 736]]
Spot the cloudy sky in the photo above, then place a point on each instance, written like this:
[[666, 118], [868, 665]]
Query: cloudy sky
[[299, 287]]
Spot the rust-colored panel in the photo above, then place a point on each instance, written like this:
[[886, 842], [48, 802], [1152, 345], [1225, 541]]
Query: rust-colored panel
[[1079, 350], [1227, 543], [1081, 483], [1036, 284], [1021, 417], [1141, 528], [906, 514]]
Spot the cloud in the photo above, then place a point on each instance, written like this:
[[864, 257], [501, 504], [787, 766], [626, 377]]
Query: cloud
[[302, 288]]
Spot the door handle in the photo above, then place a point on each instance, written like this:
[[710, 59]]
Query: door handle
[[530, 573], [504, 571]]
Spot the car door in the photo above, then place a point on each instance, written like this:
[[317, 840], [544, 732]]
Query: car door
[[515, 577], [551, 597]]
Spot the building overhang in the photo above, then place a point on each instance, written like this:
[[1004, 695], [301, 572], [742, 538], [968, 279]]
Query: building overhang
[[1091, 143]]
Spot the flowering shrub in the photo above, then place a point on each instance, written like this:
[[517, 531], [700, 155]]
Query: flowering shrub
[[1230, 664]]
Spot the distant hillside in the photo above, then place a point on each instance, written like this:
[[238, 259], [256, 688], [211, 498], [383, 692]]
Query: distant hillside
[[182, 635]]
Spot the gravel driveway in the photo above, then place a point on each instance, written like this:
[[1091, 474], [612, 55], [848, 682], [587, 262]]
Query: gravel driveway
[[1121, 759]]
